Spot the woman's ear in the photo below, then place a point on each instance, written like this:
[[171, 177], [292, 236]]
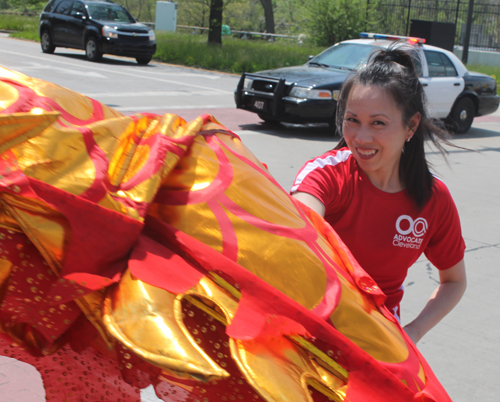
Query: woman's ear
[[413, 125]]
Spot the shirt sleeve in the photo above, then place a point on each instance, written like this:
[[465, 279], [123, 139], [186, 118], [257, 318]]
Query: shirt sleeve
[[324, 177], [446, 247]]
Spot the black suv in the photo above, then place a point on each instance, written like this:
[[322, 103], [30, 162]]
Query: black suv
[[98, 27]]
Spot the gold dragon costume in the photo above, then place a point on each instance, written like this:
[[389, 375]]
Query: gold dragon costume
[[145, 250]]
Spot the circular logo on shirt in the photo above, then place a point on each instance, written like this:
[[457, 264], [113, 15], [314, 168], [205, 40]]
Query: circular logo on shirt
[[406, 225]]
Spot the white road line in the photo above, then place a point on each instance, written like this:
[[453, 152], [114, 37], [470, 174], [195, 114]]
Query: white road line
[[115, 72], [38, 66], [149, 94], [157, 107], [206, 76]]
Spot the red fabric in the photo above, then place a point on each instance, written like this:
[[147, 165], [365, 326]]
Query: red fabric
[[157, 265], [376, 226], [77, 377], [260, 302]]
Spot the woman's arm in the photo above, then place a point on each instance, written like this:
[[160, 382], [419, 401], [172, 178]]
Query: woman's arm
[[311, 201], [453, 282]]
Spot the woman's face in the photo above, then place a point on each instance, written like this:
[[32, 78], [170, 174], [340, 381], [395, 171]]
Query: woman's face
[[375, 133]]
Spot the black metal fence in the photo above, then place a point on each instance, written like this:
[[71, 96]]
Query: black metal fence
[[394, 17]]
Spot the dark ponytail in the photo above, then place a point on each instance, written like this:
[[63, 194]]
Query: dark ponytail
[[394, 70]]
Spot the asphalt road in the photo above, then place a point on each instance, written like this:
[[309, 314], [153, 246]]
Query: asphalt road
[[464, 350]]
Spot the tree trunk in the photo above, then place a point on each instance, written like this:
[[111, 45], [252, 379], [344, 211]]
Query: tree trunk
[[268, 14], [215, 23]]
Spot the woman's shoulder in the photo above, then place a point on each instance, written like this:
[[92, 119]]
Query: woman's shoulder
[[441, 201], [328, 172], [439, 189], [334, 157]]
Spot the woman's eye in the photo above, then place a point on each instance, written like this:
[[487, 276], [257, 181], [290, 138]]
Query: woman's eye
[[379, 123], [351, 119]]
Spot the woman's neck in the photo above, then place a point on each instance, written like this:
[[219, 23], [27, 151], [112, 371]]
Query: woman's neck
[[387, 181]]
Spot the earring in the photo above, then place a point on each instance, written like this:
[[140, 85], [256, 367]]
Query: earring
[[408, 139]]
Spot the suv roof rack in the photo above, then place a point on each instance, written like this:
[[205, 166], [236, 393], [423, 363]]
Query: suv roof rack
[[411, 39]]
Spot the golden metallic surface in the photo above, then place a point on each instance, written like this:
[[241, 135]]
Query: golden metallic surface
[[367, 327], [17, 128], [55, 98], [7, 221], [258, 235], [281, 371], [44, 226], [225, 285], [8, 95], [148, 321], [5, 268], [58, 157], [335, 368]]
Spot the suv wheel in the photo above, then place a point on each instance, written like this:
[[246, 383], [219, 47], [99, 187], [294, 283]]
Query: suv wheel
[[462, 115], [92, 51], [143, 60], [46, 42]]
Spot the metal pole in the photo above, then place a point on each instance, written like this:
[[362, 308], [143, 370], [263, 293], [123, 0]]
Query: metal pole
[[408, 19], [456, 21], [465, 53], [366, 17]]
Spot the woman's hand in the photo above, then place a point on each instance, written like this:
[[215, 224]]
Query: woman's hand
[[453, 282]]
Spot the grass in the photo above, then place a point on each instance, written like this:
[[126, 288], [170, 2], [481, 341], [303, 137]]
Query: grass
[[20, 24], [234, 56]]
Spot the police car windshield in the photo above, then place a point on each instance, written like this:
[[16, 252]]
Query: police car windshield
[[344, 56]]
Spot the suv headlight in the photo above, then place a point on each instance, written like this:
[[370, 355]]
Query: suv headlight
[[152, 35], [307, 93], [109, 32]]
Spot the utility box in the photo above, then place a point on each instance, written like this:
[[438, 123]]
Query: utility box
[[440, 34], [166, 16]]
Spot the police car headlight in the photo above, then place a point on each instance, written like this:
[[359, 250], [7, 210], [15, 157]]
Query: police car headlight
[[247, 83], [307, 93], [152, 35]]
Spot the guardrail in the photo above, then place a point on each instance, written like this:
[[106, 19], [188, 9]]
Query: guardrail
[[247, 33], [28, 13]]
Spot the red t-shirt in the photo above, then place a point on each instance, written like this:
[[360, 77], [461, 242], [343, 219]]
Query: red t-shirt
[[385, 232]]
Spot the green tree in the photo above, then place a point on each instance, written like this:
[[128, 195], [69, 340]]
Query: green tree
[[24, 5], [332, 21]]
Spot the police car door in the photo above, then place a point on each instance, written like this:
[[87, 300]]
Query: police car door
[[441, 83]]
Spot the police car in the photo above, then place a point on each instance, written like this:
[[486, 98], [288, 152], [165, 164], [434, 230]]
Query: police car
[[309, 93]]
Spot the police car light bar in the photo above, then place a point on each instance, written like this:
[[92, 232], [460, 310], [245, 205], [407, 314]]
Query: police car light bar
[[367, 35]]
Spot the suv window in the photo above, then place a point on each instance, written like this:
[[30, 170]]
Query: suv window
[[439, 64], [109, 12], [64, 7], [78, 8], [50, 5]]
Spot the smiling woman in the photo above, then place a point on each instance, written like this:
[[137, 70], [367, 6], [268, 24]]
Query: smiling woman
[[376, 190]]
